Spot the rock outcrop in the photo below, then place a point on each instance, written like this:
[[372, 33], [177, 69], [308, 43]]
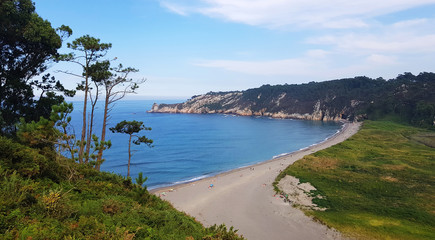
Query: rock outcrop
[[236, 103], [408, 98]]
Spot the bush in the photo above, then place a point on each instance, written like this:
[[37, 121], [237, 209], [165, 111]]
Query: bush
[[85, 204], [26, 161]]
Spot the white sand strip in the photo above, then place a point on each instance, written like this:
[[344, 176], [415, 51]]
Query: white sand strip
[[244, 198]]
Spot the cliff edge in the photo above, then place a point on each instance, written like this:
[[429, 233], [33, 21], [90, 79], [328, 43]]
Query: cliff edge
[[408, 98]]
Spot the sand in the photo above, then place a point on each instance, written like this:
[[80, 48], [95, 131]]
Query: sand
[[244, 198]]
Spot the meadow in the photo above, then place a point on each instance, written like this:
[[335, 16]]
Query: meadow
[[379, 184]]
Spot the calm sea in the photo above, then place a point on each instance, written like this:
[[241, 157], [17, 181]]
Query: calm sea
[[188, 147]]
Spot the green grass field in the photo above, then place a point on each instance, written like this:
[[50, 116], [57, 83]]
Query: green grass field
[[379, 184]]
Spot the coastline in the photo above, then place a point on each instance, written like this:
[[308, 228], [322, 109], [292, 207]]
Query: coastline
[[244, 198], [274, 158]]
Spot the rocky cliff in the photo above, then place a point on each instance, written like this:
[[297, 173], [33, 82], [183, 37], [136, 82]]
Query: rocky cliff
[[408, 98], [277, 107]]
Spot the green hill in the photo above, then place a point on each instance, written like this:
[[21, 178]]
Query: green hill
[[46, 197], [406, 98]]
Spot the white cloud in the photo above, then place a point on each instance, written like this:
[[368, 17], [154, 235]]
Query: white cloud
[[410, 23], [313, 59], [320, 65], [269, 68], [317, 53], [381, 59], [342, 38], [175, 8], [294, 13], [414, 36]]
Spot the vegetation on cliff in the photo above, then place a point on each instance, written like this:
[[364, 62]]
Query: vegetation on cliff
[[379, 184], [406, 98]]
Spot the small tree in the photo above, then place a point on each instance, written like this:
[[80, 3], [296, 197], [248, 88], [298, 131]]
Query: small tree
[[90, 50], [116, 84], [132, 128], [50, 134]]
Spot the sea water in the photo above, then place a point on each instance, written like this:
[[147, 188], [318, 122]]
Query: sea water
[[189, 147]]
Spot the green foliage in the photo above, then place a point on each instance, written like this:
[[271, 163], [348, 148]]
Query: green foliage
[[378, 184], [424, 114], [86, 204], [140, 180], [221, 232], [44, 195], [116, 85], [25, 160], [28, 43], [95, 146], [143, 139], [131, 128], [89, 50], [41, 134], [50, 134], [60, 115], [90, 46], [141, 189], [406, 99], [100, 71], [334, 96]]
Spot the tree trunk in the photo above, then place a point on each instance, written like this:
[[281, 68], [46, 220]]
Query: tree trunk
[[82, 139], [129, 155], [103, 132], [91, 126]]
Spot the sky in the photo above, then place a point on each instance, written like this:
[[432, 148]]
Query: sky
[[189, 47]]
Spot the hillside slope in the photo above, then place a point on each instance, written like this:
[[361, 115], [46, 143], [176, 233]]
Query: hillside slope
[[42, 197], [409, 97]]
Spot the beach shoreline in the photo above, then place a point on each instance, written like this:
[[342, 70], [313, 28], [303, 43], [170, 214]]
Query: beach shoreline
[[244, 198], [277, 158]]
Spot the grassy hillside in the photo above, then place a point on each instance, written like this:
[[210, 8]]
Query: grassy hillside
[[42, 197], [379, 184]]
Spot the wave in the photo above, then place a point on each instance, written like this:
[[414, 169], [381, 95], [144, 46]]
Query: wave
[[194, 179], [287, 153], [280, 155]]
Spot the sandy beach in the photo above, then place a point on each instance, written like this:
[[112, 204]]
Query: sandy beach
[[244, 198]]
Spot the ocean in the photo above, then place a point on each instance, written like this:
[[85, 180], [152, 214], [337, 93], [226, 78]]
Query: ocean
[[189, 147]]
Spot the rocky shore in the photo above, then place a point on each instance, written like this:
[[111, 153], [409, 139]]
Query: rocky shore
[[234, 103]]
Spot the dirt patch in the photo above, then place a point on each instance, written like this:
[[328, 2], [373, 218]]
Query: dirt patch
[[298, 193], [389, 179], [427, 139], [328, 163]]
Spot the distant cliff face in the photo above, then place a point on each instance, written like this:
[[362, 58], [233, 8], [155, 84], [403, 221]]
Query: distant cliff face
[[409, 98], [236, 103]]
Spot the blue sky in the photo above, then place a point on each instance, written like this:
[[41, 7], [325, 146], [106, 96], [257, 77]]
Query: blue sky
[[190, 47]]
